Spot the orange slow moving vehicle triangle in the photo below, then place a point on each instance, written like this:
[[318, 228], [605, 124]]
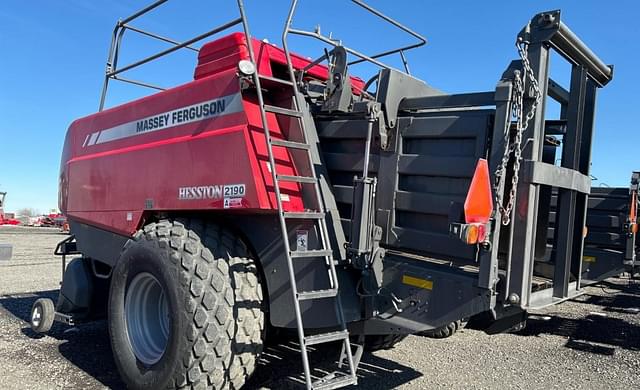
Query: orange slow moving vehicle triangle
[[479, 203]]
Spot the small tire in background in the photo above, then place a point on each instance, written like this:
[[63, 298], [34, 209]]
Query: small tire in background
[[43, 313], [442, 332], [374, 343]]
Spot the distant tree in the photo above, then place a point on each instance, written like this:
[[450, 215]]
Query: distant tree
[[27, 212]]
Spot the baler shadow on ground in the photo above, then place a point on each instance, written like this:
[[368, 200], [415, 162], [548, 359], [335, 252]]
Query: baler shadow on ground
[[598, 332], [87, 347]]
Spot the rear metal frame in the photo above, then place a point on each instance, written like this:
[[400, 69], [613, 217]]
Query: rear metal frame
[[544, 33]]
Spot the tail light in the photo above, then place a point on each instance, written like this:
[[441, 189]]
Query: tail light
[[478, 207], [470, 233]]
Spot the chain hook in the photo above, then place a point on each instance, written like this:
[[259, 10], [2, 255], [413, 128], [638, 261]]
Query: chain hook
[[522, 122]]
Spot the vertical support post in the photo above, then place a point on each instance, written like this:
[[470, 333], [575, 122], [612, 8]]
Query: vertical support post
[[488, 276], [109, 67], [630, 250], [64, 267], [589, 111], [524, 218], [112, 60], [569, 219]]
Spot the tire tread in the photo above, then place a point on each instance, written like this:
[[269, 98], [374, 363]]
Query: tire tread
[[211, 326]]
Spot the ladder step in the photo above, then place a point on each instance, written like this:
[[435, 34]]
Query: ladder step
[[316, 294], [297, 179], [326, 337], [275, 80], [282, 111], [303, 215], [289, 144], [335, 382], [311, 253]]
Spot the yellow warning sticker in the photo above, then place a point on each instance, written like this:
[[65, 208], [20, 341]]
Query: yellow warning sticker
[[417, 282], [589, 259]]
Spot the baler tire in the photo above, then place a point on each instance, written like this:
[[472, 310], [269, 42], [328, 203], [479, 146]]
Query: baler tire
[[442, 332], [249, 314], [374, 343], [199, 305], [249, 310]]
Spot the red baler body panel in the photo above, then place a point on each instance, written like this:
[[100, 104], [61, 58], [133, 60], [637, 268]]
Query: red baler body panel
[[168, 152]]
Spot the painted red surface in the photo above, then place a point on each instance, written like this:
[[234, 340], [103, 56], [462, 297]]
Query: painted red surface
[[111, 184], [8, 221]]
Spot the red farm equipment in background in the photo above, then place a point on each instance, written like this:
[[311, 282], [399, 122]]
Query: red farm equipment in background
[[6, 218]]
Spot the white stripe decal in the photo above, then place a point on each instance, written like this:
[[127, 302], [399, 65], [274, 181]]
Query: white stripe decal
[[180, 116], [93, 139], [85, 140]]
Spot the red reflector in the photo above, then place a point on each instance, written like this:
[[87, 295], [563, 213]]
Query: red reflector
[[478, 206], [482, 233]]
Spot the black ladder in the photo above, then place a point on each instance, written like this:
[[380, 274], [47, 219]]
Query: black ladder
[[316, 214]]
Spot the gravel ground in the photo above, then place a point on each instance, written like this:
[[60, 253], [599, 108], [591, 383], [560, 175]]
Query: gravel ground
[[590, 342]]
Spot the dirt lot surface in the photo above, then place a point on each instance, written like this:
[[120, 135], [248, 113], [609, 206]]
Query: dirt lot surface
[[592, 342]]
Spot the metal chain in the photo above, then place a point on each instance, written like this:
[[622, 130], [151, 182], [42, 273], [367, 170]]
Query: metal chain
[[522, 121]]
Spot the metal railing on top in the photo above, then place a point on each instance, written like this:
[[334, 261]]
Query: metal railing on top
[[112, 70], [123, 25], [361, 57]]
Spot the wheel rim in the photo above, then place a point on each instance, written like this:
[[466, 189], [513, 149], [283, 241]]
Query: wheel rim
[[147, 318], [36, 315]]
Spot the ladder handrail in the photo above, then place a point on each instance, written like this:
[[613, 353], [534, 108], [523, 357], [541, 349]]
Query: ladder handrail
[[276, 187]]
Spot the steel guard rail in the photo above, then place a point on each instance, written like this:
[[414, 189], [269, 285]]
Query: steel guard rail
[[112, 70]]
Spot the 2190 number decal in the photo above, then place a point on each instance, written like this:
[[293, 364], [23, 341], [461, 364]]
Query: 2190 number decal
[[234, 190]]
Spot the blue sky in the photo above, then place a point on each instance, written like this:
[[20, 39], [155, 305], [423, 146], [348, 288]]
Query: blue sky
[[53, 60]]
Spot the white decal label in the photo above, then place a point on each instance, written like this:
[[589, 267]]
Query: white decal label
[[180, 116], [230, 203], [302, 240]]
